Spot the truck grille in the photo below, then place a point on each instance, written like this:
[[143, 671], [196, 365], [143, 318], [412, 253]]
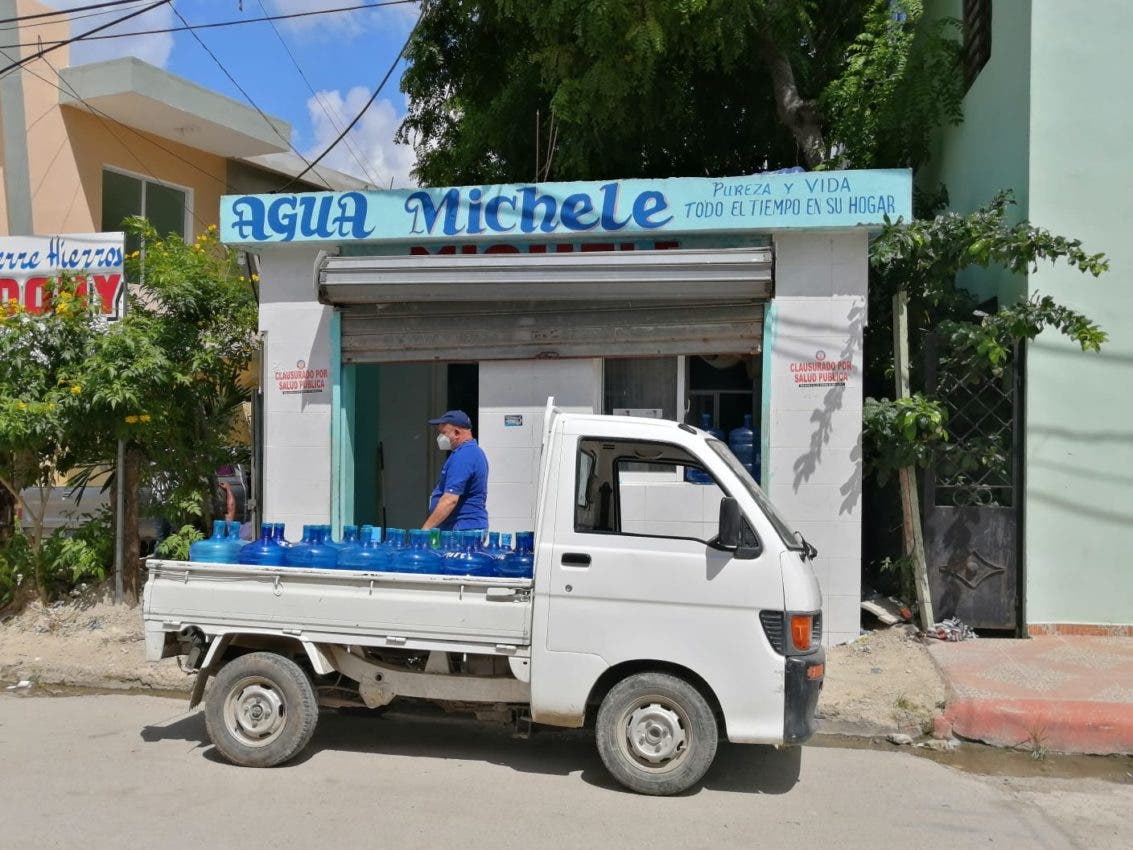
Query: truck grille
[[773, 627]]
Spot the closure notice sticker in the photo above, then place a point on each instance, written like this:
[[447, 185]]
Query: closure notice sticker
[[301, 379], [821, 371]]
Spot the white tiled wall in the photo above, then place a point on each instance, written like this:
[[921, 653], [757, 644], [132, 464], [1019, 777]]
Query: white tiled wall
[[658, 504], [814, 433], [519, 388]]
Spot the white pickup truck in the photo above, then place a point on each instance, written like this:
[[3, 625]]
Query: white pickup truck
[[666, 635]]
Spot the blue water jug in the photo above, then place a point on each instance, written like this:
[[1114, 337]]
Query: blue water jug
[[696, 476], [742, 443], [418, 557], [365, 532], [235, 544], [265, 552], [521, 562], [296, 554], [321, 553], [215, 549], [394, 543], [370, 556], [473, 560], [278, 535]]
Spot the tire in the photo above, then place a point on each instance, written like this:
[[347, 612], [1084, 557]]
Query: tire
[[261, 710], [656, 734]]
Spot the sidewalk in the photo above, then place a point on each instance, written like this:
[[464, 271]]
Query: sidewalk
[[1054, 693]]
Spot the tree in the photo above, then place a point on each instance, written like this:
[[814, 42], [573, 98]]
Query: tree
[[165, 379], [658, 88], [651, 88]]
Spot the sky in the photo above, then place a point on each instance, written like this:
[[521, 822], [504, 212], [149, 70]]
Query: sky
[[344, 55]]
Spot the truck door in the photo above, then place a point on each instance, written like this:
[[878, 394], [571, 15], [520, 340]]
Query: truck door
[[633, 577]]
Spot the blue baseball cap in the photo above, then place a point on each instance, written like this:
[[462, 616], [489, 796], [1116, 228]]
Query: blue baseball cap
[[453, 417]]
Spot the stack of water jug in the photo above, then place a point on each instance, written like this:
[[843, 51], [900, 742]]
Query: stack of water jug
[[740, 440], [462, 553]]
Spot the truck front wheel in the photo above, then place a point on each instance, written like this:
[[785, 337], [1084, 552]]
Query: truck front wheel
[[656, 733], [261, 710]]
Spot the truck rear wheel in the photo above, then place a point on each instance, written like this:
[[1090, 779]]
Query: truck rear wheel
[[261, 710], [656, 734]]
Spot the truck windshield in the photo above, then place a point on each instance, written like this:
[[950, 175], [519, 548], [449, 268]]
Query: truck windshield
[[785, 532]]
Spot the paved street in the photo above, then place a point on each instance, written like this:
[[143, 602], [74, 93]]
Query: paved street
[[131, 771]]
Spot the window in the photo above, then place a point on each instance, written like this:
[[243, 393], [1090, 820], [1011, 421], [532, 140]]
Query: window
[[977, 39], [124, 195], [723, 388], [640, 387], [613, 497]]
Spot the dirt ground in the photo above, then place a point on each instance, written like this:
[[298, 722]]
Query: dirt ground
[[883, 682], [84, 642]]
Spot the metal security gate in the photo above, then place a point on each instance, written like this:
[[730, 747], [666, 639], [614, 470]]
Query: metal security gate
[[973, 496], [600, 304]]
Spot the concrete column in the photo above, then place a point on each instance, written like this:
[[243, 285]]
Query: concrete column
[[297, 410], [13, 126], [814, 441]]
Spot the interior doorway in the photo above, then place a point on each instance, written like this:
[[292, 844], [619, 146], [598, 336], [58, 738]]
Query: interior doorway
[[396, 459]]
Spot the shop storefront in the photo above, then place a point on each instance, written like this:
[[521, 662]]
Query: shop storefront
[[672, 298]]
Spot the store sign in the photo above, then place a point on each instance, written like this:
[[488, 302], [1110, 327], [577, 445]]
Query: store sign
[[617, 209], [29, 263], [821, 371]]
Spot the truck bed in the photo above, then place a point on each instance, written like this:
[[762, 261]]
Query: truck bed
[[459, 613]]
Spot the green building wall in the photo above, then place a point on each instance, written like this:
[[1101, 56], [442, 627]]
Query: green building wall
[[1049, 117]]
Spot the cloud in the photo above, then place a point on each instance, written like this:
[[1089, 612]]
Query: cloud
[[342, 25], [370, 142], [154, 49]]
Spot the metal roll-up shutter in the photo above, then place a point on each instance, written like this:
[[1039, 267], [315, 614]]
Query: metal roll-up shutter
[[489, 307]]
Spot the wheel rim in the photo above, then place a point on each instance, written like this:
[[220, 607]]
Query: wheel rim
[[655, 733], [254, 711]]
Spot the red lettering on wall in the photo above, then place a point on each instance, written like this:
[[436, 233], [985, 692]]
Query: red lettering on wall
[[35, 299]]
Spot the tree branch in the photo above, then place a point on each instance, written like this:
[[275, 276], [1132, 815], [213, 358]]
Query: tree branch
[[798, 114]]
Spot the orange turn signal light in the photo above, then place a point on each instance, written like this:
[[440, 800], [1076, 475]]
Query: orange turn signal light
[[800, 630], [816, 672]]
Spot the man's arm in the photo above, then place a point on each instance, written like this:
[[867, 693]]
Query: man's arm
[[445, 506]]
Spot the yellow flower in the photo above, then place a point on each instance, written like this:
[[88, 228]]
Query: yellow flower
[[212, 228], [131, 420], [21, 405], [76, 389], [145, 417], [255, 278]]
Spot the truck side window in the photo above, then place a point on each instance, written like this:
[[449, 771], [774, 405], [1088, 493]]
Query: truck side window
[[619, 492]]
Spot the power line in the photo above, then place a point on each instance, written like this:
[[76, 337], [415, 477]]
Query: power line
[[247, 96], [103, 116], [230, 23], [80, 36], [99, 114], [318, 99], [57, 12], [365, 106], [70, 19]]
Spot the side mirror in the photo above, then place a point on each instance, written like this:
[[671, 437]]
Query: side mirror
[[731, 524]]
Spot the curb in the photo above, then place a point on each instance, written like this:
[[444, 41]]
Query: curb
[[1064, 726]]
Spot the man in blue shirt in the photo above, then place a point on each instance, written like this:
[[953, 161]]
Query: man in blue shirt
[[460, 499]]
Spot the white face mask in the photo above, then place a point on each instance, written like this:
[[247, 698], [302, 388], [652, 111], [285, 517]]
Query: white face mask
[[443, 442]]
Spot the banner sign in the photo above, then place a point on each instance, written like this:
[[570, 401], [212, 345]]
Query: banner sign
[[614, 210], [28, 263]]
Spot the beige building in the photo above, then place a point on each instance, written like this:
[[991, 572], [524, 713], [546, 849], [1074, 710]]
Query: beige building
[[82, 147]]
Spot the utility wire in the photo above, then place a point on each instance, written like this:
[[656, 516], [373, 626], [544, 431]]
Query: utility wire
[[70, 19], [248, 98], [58, 12], [365, 106], [104, 117], [44, 51], [235, 22], [318, 98], [106, 120]]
